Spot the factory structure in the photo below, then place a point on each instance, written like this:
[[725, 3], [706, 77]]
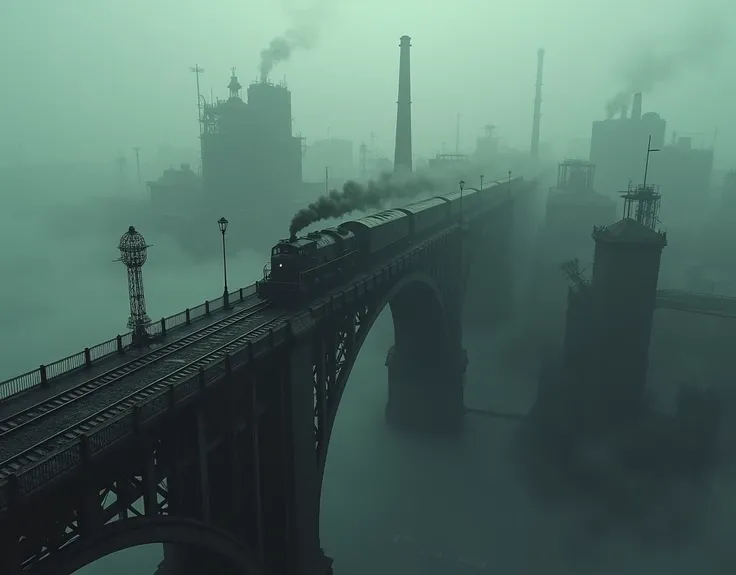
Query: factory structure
[[572, 208], [617, 148], [248, 150], [249, 158]]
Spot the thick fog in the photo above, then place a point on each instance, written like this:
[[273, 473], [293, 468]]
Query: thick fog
[[86, 82]]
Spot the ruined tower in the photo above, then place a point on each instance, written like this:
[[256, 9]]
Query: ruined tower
[[625, 274], [402, 157], [537, 104]]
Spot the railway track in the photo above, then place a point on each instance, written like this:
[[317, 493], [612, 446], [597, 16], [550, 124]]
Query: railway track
[[61, 400], [59, 439]]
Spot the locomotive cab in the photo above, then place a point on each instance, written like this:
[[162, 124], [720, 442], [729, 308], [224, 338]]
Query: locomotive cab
[[285, 263]]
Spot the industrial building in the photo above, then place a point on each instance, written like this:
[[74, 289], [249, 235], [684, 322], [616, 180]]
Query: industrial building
[[248, 150], [176, 195], [618, 146], [684, 175], [486, 147], [618, 149], [573, 207], [250, 159]]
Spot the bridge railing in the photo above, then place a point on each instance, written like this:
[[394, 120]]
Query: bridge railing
[[83, 447], [117, 345]]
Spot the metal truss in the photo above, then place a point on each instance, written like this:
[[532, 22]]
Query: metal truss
[[63, 521], [337, 344]]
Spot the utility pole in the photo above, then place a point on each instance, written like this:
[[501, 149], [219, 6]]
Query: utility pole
[[457, 135], [327, 180], [137, 150], [197, 71]]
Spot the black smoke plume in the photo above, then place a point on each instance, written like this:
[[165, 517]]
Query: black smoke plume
[[355, 197], [281, 47], [303, 34], [651, 67]]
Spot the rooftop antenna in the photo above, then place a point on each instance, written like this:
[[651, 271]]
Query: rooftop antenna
[[643, 202], [133, 253], [646, 166], [457, 134], [137, 151], [197, 71]]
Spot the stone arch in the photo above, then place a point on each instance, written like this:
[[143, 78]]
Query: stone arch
[[417, 306], [128, 533]]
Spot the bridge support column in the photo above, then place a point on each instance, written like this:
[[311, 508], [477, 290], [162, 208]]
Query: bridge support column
[[290, 475], [426, 393]]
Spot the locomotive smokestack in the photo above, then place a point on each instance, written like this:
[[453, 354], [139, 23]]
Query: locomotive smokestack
[[636, 107], [537, 104], [402, 154]]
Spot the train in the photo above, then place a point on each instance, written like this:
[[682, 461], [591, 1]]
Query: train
[[303, 268]]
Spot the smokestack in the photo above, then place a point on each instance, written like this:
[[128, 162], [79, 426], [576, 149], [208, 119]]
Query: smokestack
[[537, 104], [636, 107], [402, 154]]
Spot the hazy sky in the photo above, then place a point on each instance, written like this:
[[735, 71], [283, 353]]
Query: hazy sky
[[83, 78]]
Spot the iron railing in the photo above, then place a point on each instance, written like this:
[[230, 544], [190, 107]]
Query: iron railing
[[280, 330], [117, 345]]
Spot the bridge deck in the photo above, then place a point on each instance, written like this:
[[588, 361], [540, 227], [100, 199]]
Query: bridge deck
[[41, 412], [708, 304]]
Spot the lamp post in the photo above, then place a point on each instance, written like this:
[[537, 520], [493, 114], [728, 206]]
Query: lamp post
[[462, 186], [222, 224], [481, 188]]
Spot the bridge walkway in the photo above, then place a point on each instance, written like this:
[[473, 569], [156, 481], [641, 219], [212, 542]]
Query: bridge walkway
[[698, 303], [42, 412]]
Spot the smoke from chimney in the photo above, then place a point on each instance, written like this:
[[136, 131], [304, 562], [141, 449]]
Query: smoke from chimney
[[648, 68], [537, 105], [636, 107], [355, 197], [403, 151], [281, 48], [304, 35]]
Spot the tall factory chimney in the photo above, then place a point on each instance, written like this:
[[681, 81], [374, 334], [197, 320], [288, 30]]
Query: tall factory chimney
[[402, 154], [636, 107], [537, 104]]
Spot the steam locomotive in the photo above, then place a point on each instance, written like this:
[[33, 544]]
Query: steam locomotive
[[306, 267]]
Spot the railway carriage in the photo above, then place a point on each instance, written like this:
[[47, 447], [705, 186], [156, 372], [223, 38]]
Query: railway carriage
[[303, 268], [378, 231], [427, 214]]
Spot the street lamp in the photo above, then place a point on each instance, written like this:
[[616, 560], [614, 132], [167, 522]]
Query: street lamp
[[222, 224], [462, 186], [481, 188]]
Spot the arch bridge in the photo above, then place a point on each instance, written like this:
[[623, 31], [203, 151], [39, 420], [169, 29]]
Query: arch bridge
[[214, 441]]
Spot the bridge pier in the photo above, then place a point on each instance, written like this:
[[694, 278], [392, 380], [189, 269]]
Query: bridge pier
[[426, 394]]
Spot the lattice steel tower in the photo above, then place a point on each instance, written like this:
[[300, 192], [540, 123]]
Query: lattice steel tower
[[133, 253]]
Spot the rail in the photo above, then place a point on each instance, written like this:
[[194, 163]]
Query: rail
[[117, 345], [84, 447]]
